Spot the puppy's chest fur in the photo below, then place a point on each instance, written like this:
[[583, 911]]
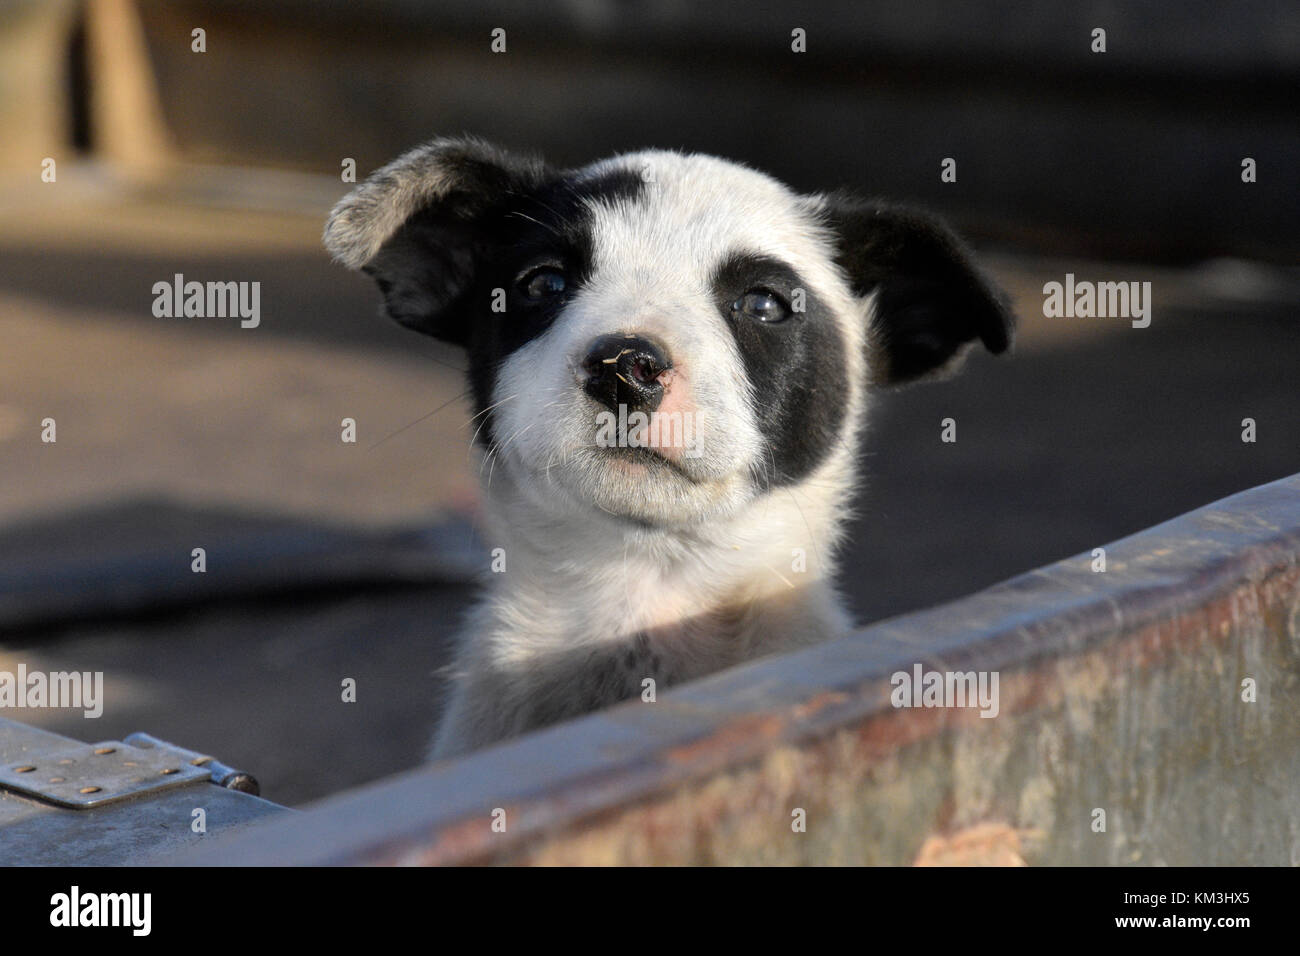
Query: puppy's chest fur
[[573, 624], [537, 652]]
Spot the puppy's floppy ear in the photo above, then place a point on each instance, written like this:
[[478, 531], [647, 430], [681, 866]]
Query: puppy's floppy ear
[[930, 298], [416, 225]]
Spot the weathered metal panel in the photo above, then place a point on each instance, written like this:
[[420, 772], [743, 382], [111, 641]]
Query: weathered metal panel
[[1119, 692]]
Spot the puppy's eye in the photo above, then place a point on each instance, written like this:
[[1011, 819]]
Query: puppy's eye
[[762, 306], [543, 283]]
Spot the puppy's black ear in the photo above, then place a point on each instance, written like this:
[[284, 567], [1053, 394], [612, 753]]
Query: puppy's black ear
[[416, 225], [930, 298]]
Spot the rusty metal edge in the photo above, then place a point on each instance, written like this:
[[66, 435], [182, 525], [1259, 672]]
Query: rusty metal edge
[[555, 781]]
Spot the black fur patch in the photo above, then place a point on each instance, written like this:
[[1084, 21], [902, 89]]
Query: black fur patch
[[798, 367], [427, 266], [931, 298], [440, 272], [549, 226]]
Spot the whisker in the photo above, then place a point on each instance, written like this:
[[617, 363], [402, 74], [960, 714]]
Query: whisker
[[551, 229], [452, 401], [484, 422], [500, 449], [803, 518]]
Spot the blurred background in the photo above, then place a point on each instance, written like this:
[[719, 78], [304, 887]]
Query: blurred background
[[328, 560]]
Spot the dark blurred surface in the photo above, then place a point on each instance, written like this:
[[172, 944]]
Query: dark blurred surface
[[1134, 151], [1060, 451]]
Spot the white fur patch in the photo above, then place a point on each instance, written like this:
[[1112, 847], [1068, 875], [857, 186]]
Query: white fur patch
[[709, 575]]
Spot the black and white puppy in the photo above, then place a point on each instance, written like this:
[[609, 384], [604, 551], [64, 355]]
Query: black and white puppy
[[699, 293]]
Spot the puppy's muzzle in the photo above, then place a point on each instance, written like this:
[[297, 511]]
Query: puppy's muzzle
[[626, 370]]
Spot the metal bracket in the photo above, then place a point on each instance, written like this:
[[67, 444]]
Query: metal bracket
[[92, 775], [222, 775]]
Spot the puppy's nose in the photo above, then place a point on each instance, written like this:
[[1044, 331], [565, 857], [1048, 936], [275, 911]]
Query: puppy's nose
[[624, 370]]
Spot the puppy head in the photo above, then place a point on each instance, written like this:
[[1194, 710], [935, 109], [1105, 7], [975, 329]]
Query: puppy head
[[661, 337]]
